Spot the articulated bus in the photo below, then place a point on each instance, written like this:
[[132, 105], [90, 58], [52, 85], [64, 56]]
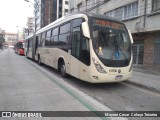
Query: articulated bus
[[19, 47], [91, 47]]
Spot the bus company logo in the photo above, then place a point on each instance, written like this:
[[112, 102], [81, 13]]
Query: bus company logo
[[119, 71], [6, 114]]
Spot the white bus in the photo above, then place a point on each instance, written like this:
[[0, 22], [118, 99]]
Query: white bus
[[91, 47], [29, 46]]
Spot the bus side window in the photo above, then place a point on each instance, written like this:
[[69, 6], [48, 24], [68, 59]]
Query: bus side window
[[43, 39], [48, 38], [85, 52], [80, 44], [76, 35], [54, 37], [39, 40], [64, 36]]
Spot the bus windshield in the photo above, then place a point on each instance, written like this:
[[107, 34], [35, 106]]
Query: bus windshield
[[111, 42]]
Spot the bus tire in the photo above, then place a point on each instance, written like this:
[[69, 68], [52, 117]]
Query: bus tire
[[39, 60], [62, 69]]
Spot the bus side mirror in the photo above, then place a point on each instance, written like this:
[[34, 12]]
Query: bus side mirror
[[85, 29], [130, 35]]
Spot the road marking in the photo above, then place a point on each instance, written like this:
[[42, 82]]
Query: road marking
[[66, 89], [141, 89]]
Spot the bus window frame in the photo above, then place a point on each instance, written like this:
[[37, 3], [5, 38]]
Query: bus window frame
[[55, 43], [82, 38], [67, 42], [48, 38], [43, 39]]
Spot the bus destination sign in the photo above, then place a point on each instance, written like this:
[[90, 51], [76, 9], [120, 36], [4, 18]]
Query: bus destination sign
[[110, 24]]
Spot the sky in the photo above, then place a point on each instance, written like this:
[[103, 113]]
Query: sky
[[15, 13]]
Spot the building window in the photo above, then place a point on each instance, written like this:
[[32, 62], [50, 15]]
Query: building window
[[87, 4], [66, 10], [155, 5], [90, 3], [79, 7], [66, 2], [125, 12], [117, 13], [131, 10]]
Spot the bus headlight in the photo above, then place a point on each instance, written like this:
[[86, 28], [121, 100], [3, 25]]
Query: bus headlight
[[98, 66]]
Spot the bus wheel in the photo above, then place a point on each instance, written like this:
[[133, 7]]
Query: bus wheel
[[63, 69], [39, 60]]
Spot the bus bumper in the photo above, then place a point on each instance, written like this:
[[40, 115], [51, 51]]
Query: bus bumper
[[106, 78], [21, 52]]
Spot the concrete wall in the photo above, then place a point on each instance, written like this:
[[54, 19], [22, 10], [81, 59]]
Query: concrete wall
[[148, 51], [10, 38], [65, 6]]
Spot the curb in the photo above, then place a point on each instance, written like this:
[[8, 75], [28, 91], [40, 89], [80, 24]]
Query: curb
[[143, 86], [151, 72]]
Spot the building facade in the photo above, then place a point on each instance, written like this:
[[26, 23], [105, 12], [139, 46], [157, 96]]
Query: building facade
[[62, 8], [37, 14], [10, 38], [141, 18], [30, 25], [47, 11]]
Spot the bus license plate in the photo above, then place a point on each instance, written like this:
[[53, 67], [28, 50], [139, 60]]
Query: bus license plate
[[118, 77]]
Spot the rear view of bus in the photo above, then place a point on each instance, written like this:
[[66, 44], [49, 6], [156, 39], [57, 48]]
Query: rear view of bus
[[19, 47], [112, 56]]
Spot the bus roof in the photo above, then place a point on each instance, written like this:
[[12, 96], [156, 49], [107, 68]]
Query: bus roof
[[74, 16], [61, 20]]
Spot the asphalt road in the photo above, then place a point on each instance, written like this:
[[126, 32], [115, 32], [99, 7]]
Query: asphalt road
[[120, 96]]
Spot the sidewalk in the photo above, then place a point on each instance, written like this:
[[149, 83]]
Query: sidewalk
[[146, 78]]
